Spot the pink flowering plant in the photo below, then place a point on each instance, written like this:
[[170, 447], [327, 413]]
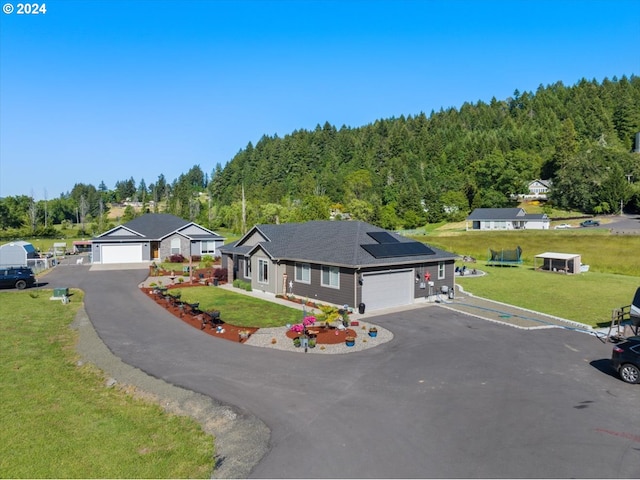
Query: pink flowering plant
[[306, 322]]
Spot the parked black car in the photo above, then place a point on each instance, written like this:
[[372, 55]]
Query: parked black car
[[625, 359], [590, 223], [18, 277]]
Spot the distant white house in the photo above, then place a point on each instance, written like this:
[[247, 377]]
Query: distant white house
[[538, 189], [506, 219]]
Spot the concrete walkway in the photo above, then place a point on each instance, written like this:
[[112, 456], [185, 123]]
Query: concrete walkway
[[509, 314]]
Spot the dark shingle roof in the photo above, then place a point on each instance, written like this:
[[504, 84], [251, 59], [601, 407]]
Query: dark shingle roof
[[496, 214], [504, 214], [330, 242], [155, 226]]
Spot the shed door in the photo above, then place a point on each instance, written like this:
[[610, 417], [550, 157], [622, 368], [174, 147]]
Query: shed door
[[387, 289], [121, 253]]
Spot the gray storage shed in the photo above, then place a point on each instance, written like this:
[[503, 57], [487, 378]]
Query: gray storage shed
[[15, 254]]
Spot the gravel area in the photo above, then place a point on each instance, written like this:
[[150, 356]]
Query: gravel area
[[264, 338]]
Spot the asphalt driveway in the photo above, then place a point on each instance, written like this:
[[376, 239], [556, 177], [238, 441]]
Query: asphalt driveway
[[450, 396], [627, 223]]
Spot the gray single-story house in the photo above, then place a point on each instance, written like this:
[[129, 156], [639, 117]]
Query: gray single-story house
[[154, 236], [339, 262], [506, 219], [17, 254]]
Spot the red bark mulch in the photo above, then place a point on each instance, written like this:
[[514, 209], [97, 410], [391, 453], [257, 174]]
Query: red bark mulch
[[326, 336]]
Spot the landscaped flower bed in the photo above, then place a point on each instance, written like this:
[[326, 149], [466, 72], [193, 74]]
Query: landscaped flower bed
[[322, 334], [326, 336], [229, 332]]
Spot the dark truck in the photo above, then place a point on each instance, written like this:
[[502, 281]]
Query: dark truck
[[625, 357], [590, 223]]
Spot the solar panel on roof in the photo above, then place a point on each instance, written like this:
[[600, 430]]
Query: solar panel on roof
[[382, 237], [398, 249]]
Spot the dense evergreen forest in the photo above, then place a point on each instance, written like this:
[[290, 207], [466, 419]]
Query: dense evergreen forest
[[399, 172]]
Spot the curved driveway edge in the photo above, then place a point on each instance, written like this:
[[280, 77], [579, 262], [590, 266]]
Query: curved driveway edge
[[240, 440]]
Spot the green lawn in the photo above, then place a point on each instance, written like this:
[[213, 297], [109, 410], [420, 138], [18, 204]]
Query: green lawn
[[241, 310], [586, 298], [59, 420]]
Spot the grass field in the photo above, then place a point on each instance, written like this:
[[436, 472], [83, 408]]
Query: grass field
[[603, 252], [59, 420]]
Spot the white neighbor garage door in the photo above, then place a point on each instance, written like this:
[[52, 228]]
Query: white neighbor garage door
[[121, 253], [387, 289]]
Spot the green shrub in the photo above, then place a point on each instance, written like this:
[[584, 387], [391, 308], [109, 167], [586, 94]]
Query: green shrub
[[329, 314], [237, 283]]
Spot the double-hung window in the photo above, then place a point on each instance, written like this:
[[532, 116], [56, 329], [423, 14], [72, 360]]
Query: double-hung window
[[175, 246], [303, 273], [330, 276], [263, 270], [441, 270], [208, 247]]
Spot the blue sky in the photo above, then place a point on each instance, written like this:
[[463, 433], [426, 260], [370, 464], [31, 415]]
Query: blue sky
[[97, 91]]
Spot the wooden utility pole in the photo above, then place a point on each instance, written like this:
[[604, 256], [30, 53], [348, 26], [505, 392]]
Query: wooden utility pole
[[244, 213]]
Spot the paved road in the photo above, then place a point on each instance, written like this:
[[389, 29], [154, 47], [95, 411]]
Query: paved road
[[450, 396], [624, 224]]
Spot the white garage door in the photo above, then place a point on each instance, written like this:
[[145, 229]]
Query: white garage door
[[121, 253], [387, 289]]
